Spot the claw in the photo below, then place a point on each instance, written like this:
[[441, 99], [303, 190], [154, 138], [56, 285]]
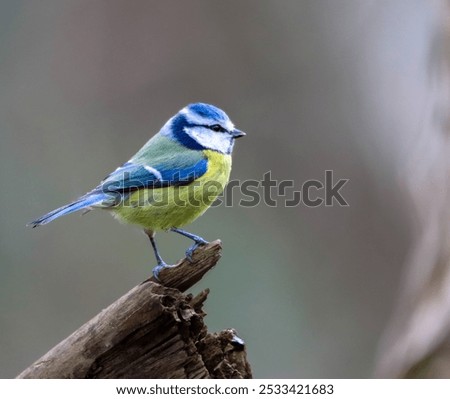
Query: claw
[[156, 270], [192, 248], [190, 251], [197, 242]]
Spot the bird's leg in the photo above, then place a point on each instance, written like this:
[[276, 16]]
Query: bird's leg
[[161, 264], [197, 241]]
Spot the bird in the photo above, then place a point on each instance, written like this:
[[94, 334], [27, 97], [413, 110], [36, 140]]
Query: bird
[[171, 181]]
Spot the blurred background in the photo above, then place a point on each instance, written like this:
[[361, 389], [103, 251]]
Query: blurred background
[[360, 88]]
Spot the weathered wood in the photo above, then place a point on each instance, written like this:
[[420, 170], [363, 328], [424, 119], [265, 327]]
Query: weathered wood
[[153, 331], [185, 273]]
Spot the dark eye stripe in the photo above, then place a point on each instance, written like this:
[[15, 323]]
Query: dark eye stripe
[[216, 128]]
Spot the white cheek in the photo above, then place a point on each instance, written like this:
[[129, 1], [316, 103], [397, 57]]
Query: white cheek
[[221, 142]]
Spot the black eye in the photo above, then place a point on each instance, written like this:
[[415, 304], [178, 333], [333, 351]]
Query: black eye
[[217, 128]]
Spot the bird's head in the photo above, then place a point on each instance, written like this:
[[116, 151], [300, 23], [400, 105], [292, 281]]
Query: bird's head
[[202, 126]]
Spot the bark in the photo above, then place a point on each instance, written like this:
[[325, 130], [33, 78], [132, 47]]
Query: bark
[[153, 331]]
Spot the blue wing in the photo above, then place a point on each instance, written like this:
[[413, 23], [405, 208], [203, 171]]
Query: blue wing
[[126, 179], [131, 176], [160, 163]]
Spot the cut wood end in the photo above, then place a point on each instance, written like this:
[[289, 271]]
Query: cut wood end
[[185, 273]]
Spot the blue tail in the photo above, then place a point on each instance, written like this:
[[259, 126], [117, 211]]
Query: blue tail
[[81, 203]]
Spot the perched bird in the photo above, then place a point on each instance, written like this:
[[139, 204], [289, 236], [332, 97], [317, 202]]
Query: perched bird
[[171, 180]]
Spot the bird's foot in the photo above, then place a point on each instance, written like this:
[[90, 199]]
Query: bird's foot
[[156, 270], [193, 247]]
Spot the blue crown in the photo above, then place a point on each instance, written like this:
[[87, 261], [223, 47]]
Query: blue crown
[[208, 111]]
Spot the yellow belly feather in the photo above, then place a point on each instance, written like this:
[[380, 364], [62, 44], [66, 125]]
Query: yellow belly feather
[[163, 208]]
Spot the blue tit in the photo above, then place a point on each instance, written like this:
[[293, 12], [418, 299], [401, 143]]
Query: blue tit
[[171, 181]]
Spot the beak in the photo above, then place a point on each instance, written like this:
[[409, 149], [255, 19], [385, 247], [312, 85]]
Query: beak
[[237, 133]]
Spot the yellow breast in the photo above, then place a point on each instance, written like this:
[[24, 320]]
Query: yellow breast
[[163, 208], [219, 168]]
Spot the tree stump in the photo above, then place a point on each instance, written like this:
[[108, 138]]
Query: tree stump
[[153, 331]]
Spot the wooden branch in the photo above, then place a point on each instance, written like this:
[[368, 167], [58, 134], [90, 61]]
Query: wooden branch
[[153, 331], [185, 273]]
